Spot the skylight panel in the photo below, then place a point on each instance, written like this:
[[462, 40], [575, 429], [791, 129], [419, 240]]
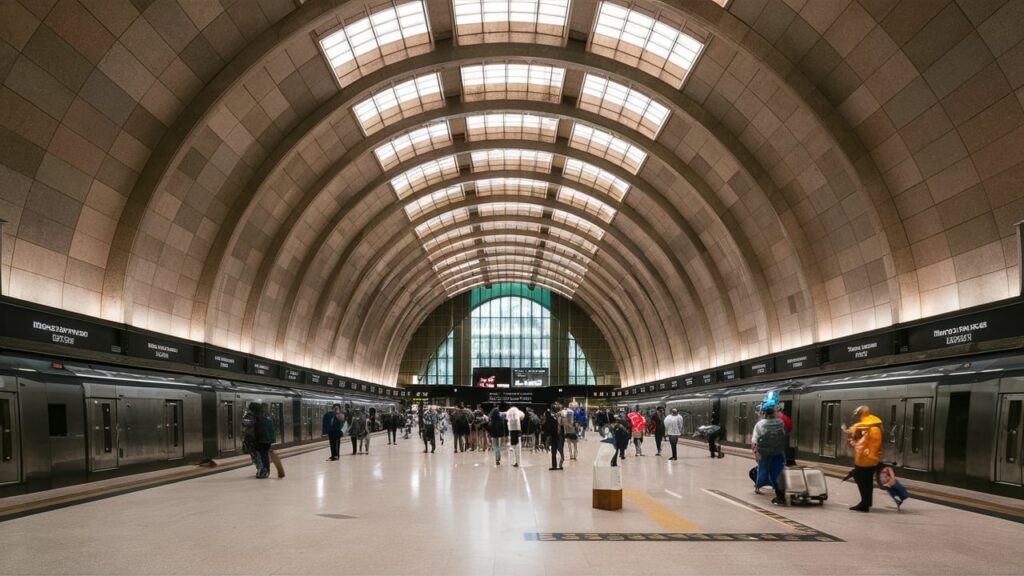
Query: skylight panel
[[608, 146], [508, 81], [402, 100], [531, 253], [385, 36], [512, 187], [454, 289], [578, 223], [426, 174], [573, 238], [433, 201], [456, 246], [511, 227], [448, 236], [413, 143], [586, 202], [511, 126], [650, 44], [538, 21], [510, 209], [442, 221], [623, 104], [511, 159], [594, 177]]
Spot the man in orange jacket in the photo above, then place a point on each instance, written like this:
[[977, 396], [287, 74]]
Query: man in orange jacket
[[866, 439]]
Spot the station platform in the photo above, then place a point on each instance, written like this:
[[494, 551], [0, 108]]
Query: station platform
[[400, 511]]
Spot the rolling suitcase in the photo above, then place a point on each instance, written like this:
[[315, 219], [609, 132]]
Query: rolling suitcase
[[803, 484]]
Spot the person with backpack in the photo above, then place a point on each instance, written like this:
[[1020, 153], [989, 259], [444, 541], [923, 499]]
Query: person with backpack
[[768, 443], [257, 436], [637, 423], [332, 423], [865, 437], [496, 431], [673, 429]]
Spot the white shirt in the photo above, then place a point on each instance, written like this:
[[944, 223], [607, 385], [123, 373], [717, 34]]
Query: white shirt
[[513, 418], [674, 425]]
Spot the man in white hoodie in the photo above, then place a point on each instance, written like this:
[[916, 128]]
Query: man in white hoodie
[[673, 429], [513, 419]]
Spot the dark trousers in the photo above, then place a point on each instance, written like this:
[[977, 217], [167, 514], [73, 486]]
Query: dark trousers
[[713, 445], [334, 437], [554, 445], [355, 443], [658, 437], [393, 435], [864, 476], [672, 440], [428, 436], [261, 457]]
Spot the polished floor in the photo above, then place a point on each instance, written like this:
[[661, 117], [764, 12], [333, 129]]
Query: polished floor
[[400, 511]]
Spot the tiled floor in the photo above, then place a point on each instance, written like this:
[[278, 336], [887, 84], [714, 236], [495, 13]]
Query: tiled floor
[[399, 511]]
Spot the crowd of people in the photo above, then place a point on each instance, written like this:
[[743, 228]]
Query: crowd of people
[[558, 429]]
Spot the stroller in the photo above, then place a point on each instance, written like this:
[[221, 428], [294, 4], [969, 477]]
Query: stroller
[[885, 476]]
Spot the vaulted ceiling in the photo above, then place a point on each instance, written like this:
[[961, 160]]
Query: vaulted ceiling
[[307, 181]]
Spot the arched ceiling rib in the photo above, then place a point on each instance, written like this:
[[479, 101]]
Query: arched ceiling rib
[[179, 177]]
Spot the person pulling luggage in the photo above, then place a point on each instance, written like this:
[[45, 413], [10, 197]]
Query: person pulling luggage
[[769, 445]]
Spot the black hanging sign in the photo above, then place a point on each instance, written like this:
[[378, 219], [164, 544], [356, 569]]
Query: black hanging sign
[[223, 361], [153, 348], [263, 368], [994, 324], [798, 360], [314, 378], [862, 348], [757, 367], [293, 374], [37, 326], [729, 373]]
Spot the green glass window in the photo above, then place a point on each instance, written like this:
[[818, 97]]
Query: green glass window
[[580, 372], [505, 332]]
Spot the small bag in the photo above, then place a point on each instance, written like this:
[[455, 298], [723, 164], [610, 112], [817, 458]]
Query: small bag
[[571, 436]]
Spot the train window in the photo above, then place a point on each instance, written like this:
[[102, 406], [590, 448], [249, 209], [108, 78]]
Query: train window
[[58, 416], [229, 419], [6, 431], [108, 432], [1012, 426], [917, 428]]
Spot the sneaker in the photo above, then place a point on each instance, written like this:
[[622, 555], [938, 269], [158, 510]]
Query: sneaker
[[778, 501], [858, 508], [757, 491]]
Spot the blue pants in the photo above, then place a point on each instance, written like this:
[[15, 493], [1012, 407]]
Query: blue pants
[[261, 459], [898, 491], [768, 470]]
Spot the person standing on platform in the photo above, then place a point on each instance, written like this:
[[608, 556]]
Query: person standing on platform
[[442, 424], [581, 422], [369, 426], [356, 429], [620, 437], [535, 429], [601, 422], [550, 429], [567, 428], [392, 420], [637, 423], [787, 426], [514, 420], [332, 429], [659, 428], [673, 429], [769, 444], [458, 420], [427, 429], [496, 432], [866, 439]]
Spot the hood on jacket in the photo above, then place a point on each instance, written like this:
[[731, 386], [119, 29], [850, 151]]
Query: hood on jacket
[[868, 421]]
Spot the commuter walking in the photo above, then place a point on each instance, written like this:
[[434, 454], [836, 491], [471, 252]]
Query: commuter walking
[[567, 428], [550, 428], [581, 422], [674, 429], [535, 428], [601, 422], [496, 431], [427, 429], [442, 425], [332, 429], [392, 421], [357, 429], [514, 420], [637, 423], [659, 428], [865, 437], [711, 434], [620, 438], [769, 444], [257, 436], [787, 426], [459, 428], [364, 440]]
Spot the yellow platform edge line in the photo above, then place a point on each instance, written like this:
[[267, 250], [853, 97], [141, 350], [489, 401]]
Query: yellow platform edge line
[[658, 512]]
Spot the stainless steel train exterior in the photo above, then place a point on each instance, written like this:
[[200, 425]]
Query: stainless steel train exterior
[[80, 423], [958, 422]]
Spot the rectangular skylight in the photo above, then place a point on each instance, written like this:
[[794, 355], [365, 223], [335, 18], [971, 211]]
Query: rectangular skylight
[[509, 81], [594, 177], [402, 100], [623, 104], [413, 143], [608, 146], [532, 253], [537, 21], [512, 187], [511, 159], [511, 126], [462, 285], [644, 42], [573, 238], [433, 201], [455, 246], [448, 236], [510, 227], [430, 172], [580, 224], [385, 36], [510, 209], [586, 202], [441, 221]]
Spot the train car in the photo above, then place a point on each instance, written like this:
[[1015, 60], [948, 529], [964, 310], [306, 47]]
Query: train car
[[67, 423]]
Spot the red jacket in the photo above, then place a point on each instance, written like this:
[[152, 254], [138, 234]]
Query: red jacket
[[787, 423], [637, 421]]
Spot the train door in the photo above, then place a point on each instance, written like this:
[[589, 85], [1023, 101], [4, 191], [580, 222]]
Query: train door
[[10, 445], [277, 417], [830, 429], [174, 445], [917, 434], [742, 429], [310, 420], [103, 445], [228, 441], [1011, 427]]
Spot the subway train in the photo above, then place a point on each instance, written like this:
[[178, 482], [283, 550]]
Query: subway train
[[82, 422], [957, 422]]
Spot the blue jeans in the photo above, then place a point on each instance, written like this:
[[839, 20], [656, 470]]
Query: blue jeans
[[261, 459], [768, 470], [496, 444]]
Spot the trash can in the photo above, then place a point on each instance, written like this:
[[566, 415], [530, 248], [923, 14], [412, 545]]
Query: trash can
[[607, 480]]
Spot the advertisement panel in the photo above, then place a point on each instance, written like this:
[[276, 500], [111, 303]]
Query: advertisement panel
[[530, 377], [492, 377]]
